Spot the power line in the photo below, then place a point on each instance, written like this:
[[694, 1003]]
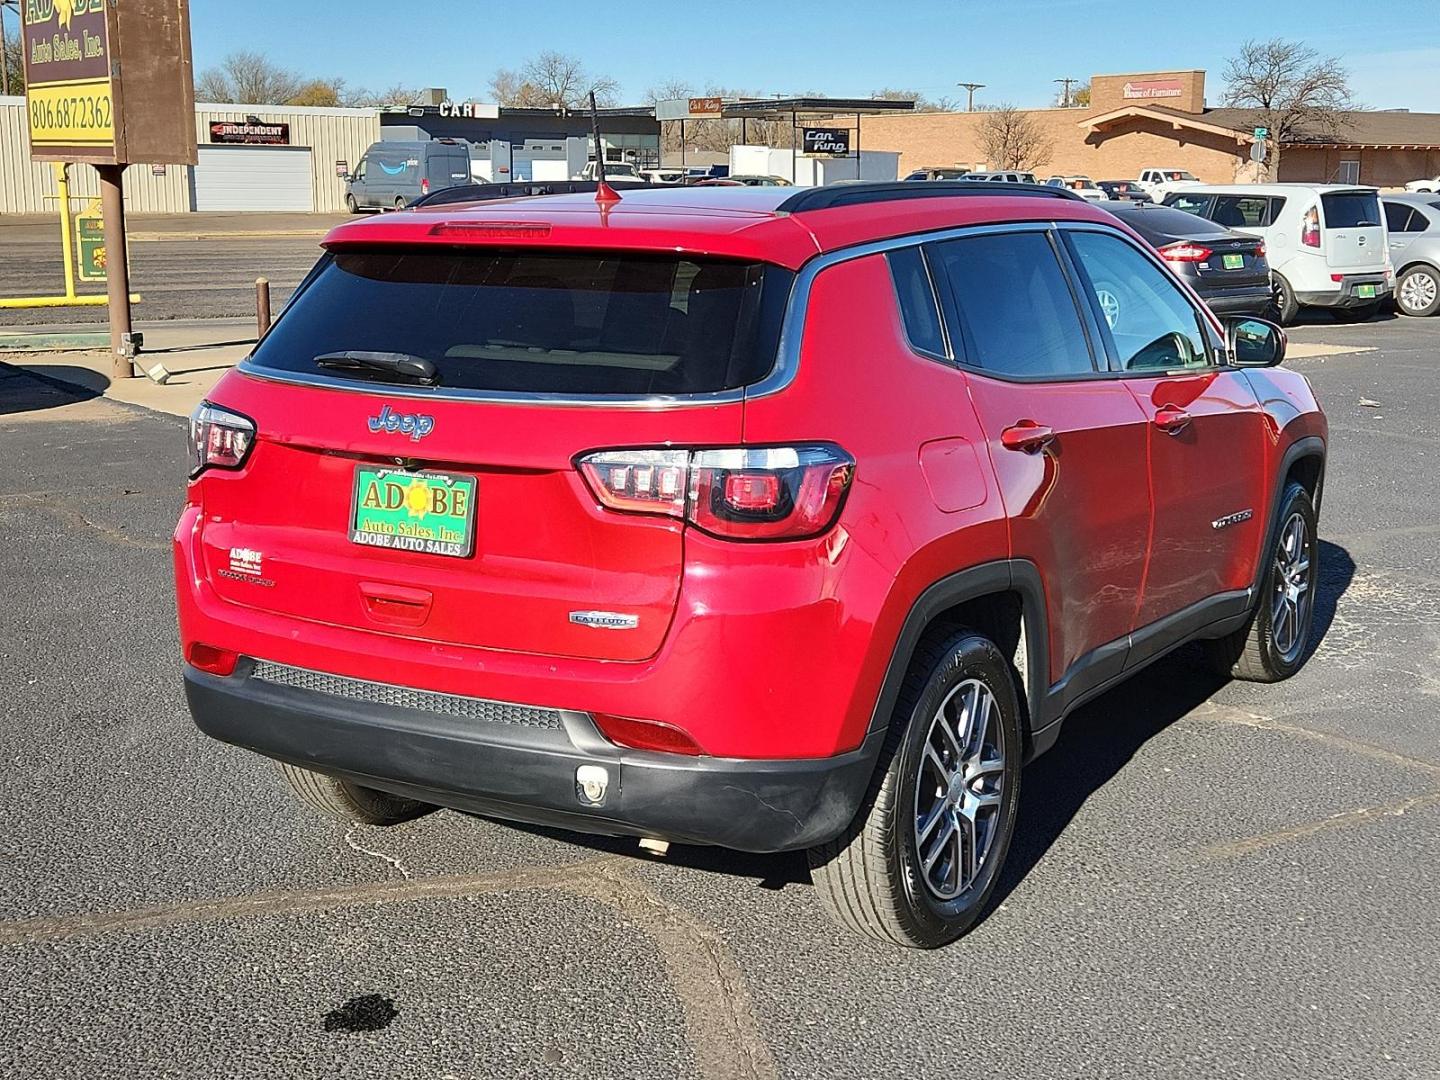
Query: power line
[[1065, 97]]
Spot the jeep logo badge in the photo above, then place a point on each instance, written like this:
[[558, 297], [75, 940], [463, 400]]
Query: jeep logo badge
[[416, 425]]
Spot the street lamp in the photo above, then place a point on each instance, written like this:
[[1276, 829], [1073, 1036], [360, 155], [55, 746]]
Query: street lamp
[[970, 88]]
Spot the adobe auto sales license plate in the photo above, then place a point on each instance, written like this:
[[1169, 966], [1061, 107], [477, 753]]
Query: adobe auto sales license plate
[[1233, 262], [1365, 292], [428, 512]]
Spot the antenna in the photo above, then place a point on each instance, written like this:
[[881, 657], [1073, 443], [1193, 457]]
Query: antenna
[[604, 193]]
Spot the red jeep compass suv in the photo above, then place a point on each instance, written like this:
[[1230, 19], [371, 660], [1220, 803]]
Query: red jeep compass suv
[[750, 517]]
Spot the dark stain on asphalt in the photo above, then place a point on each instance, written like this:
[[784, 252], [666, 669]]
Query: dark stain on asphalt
[[369, 1012]]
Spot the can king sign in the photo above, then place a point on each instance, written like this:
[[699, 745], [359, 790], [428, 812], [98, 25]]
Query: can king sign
[[68, 75]]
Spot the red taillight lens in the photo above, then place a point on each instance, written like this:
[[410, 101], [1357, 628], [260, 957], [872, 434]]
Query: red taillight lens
[[646, 735], [766, 493], [1259, 251], [1185, 253], [425, 187], [219, 438], [1310, 228], [211, 659]]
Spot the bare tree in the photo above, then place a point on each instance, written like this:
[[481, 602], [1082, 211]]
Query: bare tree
[[248, 78], [1012, 139], [552, 80], [1295, 92], [396, 95], [12, 62], [922, 103], [670, 129]]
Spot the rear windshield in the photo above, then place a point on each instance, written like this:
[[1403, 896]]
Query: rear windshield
[[1351, 210], [542, 322], [1167, 221]]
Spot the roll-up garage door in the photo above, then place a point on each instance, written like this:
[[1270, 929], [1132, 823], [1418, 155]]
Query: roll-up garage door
[[254, 178]]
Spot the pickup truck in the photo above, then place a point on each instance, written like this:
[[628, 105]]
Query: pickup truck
[[1158, 183]]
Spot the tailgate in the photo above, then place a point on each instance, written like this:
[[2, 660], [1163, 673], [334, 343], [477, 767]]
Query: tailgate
[[1354, 232]]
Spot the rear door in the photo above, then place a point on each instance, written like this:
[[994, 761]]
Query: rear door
[[1206, 430], [1067, 444], [1403, 223], [446, 166], [456, 513], [1353, 229]]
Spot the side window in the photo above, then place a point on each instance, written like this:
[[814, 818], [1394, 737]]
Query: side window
[[1241, 211], [1013, 304], [1191, 204], [1397, 217], [918, 310], [359, 173], [1277, 205], [1152, 324]]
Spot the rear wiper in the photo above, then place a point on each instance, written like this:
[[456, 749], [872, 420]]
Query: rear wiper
[[399, 365]]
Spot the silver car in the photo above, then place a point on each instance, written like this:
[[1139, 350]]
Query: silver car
[[1413, 223]]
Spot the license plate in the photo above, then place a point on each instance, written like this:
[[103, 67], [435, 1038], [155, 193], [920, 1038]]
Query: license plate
[[1365, 292], [429, 512], [1233, 262]]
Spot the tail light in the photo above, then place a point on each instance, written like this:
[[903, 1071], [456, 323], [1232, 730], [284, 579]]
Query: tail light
[[1185, 252], [1259, 251], [219, 438], [761, 493], [425, 186], [1310, 228], [211, 659]]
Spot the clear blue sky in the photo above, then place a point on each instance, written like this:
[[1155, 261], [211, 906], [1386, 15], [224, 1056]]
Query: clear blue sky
[[839, 47]]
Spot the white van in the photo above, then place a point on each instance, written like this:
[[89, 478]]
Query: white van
[[1326, 243]]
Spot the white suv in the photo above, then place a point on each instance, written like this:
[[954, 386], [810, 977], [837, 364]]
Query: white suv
[[1326, 243]]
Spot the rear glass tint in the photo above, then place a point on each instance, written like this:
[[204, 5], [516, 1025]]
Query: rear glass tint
[[1351, 210], [542, 322], [1150, 220]]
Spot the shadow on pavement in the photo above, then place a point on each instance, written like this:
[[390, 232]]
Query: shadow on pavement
[[25, 391]]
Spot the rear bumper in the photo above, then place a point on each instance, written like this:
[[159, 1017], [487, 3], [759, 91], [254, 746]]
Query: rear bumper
[[527, 772], [1346, 294], [1243, 300]]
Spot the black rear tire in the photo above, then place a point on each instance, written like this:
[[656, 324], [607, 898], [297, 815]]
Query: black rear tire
[[1287, 308], [351, 206], [1254, 652], [349, 802], [872, 879]]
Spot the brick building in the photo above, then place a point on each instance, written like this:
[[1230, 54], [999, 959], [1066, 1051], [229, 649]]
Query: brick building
[[1159, 119]]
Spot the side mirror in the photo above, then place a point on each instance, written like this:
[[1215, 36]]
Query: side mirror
[[1253, 342], [347, 177]]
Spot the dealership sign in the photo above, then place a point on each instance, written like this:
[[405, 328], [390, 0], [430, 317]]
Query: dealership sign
[[68, 90], [250, 133], [705, 107], [825, 142], [469, 110], [1153, 88]]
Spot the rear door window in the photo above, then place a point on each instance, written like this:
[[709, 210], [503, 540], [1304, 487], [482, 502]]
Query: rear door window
[[1191, 204], [918, 310], [541, 322], [1400, 218], [1018, 314], [1244, 211], [1351, 210]]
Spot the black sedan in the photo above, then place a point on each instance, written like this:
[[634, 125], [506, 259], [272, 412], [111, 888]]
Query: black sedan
[[1228, 269], [1124, 190]]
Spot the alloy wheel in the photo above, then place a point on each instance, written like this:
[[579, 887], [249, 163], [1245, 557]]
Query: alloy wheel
[[1418, 291], [1292, 595], [960, 789]]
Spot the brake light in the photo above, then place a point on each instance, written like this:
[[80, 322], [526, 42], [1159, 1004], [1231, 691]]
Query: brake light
[[1185, 252], [1310, 228], [762, 493], [425, 186], [219, 438], [646, 735], [211, 659], [1259, 251]]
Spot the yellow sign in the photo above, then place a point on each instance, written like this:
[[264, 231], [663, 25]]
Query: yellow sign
[[90, 242], [68, 75]]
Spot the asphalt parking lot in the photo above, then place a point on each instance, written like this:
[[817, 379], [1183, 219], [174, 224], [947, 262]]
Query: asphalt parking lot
[[1209, 880]]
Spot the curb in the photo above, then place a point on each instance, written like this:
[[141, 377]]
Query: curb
[[54, 342]]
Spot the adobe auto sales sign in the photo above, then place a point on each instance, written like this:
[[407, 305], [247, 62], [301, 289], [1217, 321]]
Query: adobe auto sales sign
[[67, 75]]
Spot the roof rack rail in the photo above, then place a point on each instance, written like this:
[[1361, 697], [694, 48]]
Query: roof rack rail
[[835, 195], [514, 189]]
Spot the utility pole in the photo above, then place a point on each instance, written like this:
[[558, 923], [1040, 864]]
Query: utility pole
[[970, 88], [1065, 96]]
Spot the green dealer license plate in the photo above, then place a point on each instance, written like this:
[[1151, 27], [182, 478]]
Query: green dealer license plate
[[1365, 292], [429, 512], [1233, 262]]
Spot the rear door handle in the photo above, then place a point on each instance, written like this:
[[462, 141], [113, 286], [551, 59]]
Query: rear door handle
[[1027, 436], [1171, 419]]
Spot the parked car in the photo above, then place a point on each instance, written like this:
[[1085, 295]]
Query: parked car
[[1157, 183], [1424, 187], [565, 513], [1123, 191], [747, 180], [614, 170], [390, 175], [1080, 185], [936, 174], [663, 176], [1325, 242], [1007, 176], [1227, 269], [1413, 224]]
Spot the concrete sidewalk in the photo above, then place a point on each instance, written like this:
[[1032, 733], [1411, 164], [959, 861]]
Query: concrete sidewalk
[[147, 228], [196, 352]]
